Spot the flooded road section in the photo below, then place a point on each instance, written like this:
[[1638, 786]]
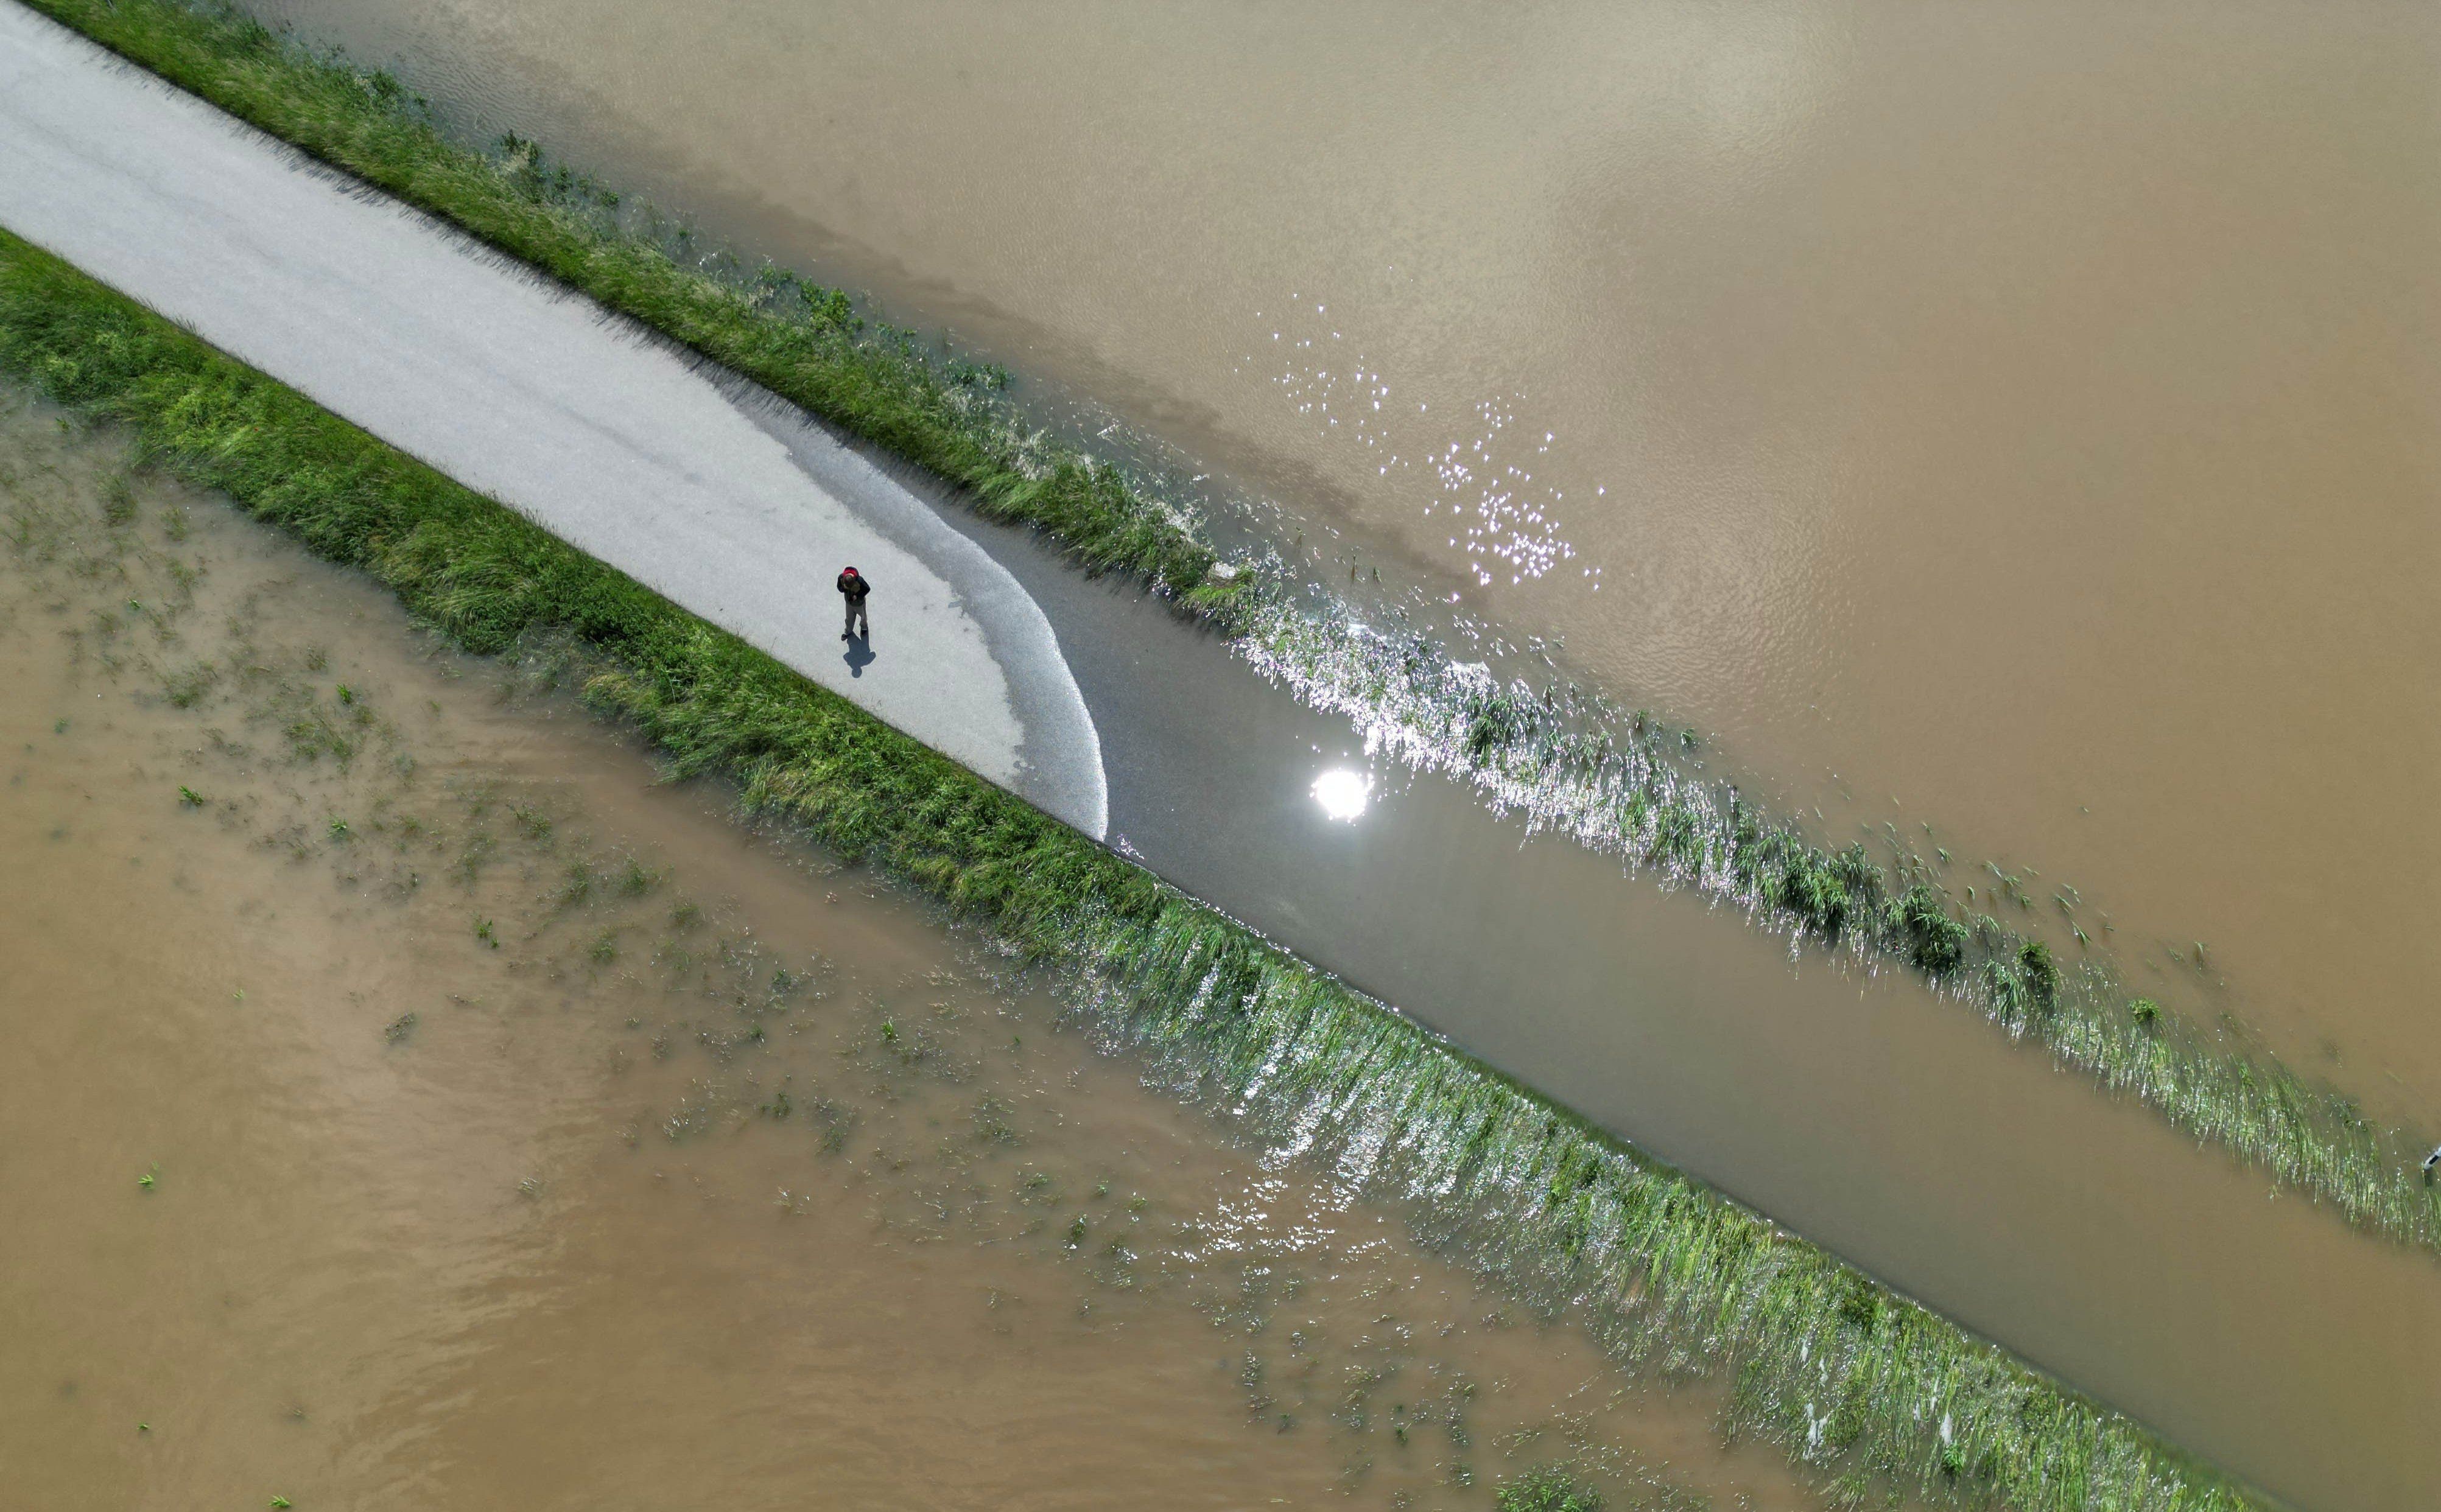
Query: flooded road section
[[2025, 412], [1862, 1111], [410, 1103]]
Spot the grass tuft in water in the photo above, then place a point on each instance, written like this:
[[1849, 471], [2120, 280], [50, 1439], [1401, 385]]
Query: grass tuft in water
[[1930, 939], [1847, 1376], [1548, 1488]]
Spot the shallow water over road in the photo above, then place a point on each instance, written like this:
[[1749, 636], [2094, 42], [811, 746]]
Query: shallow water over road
[[410, 1103]]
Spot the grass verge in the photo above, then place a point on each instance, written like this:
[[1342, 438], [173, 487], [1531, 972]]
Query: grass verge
[[1878, 1394], [1565, 759]]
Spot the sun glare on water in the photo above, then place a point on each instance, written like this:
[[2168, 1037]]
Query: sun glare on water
[[1343, 794]]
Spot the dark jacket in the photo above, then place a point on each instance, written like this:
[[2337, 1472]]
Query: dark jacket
[[856, 588]]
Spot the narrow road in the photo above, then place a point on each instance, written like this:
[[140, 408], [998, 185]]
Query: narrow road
[[729, 502]]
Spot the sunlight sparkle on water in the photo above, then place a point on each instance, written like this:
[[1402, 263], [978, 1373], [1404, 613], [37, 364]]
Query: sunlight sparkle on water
[[1481, 478], [1343, 794]]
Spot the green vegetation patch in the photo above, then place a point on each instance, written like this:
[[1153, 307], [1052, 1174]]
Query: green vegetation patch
[[1875, 1392]]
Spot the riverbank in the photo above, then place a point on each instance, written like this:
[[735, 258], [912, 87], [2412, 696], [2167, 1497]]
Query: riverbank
[[1564, 758], [1842, 1373]]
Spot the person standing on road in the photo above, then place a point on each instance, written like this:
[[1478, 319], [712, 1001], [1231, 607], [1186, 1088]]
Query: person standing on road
[[853, 588]]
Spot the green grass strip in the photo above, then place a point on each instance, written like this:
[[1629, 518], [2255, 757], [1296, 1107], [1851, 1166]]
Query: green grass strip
[[1874, 1390], [1565, 759]]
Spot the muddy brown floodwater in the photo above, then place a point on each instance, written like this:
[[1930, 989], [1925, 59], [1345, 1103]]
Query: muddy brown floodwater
[[411, 1102], [2028, 412]]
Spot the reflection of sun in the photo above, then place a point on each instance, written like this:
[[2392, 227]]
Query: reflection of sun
[[1341, 793]]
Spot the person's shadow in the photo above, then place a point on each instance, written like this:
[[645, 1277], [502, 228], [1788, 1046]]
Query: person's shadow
[[859, 655]]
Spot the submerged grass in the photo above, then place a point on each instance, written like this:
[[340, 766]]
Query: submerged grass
[[1882, 1396], [1566, 760], [1570, 763]]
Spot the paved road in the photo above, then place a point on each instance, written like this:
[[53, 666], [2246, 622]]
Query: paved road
[[727, 501]]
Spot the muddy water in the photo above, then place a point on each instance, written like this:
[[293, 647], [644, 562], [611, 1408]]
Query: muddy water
[[2025, 414], [412, 1105]]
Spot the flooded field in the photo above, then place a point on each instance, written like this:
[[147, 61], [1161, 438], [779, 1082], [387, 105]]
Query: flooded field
[[2019, 421], [2022, 427], [415, 1103], [1877, 1120]]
